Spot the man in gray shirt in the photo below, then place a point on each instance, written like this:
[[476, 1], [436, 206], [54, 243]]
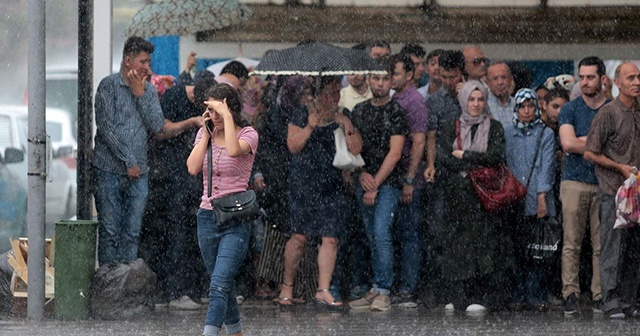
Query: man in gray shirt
[[127, 111]]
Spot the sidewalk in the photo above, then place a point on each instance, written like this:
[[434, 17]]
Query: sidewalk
[[263, 318]]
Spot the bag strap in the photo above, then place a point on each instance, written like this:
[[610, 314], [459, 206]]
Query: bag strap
[[209, 168], [459, 137], [535, 157]]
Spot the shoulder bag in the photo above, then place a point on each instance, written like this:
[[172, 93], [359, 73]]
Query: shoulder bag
[[344, 159], [241, 206], [496, 186]]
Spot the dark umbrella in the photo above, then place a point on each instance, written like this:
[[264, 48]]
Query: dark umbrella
[[317, 59], [184, 17]]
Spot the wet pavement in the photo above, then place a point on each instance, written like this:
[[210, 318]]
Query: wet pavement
[[260, 318]]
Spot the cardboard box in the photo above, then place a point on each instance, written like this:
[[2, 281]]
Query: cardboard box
[[20, 279]]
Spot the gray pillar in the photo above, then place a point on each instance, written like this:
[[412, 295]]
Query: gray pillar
[[36, 153], [85, 106]]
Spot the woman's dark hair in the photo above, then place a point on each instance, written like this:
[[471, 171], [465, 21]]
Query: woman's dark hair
[[320, 84], [222, 91]]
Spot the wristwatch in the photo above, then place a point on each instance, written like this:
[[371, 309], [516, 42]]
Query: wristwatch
[[408, 180]]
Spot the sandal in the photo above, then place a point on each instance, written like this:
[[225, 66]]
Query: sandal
[[286, 301], [334, 304]]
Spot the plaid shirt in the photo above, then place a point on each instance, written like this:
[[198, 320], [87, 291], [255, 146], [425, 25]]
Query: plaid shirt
[[503, 114], [123, 123]]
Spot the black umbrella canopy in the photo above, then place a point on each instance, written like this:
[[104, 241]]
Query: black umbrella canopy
[[317, 59]]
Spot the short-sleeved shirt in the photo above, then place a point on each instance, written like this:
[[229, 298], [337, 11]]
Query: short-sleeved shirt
[[579, 115], [417, 115], [230, 175], [349, 97], [167, 156], [376, 125], [443, 109], [615, 133], [123, 123]]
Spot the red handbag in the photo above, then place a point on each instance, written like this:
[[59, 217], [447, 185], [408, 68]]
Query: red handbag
[[496, 186]]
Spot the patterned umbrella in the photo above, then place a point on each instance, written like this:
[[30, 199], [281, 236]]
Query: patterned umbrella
[[317, 59], [183, 17]]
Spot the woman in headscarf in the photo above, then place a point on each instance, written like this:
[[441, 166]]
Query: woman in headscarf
[[526, 136], [473, 240]]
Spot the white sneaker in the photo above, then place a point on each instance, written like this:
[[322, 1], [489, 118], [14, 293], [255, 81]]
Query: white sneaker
[[476, 309], [184, 303], [449, 307]]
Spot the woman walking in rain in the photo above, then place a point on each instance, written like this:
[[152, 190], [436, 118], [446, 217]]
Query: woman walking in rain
[[316, 194], [473, 237], [233, 145]]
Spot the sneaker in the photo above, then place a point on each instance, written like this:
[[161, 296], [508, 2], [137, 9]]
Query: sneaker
[[404, 300], [364, 302], [476, 309], [184, 303], [571, 305], [615, 314], [161, 305], [449, 307], [597, 307], [381, 303]]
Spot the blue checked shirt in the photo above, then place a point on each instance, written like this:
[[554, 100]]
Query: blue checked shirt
[[123, 123], [503, 114]]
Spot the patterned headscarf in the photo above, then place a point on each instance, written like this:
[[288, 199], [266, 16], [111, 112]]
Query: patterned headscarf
[[521, 96]]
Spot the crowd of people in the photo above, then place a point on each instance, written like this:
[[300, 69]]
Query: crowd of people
[[408, 227]]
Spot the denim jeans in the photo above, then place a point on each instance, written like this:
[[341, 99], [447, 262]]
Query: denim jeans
[[223, 251], [378, 222], [120, 203], [409, 234]]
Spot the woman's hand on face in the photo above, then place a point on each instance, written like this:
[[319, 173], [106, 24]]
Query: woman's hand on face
[[220, 107], [458, 153], [313, 120]]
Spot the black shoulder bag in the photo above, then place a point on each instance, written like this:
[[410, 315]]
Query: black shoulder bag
[[241, 206]]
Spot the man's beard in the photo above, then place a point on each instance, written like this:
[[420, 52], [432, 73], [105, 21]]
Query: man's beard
[[594, 93]]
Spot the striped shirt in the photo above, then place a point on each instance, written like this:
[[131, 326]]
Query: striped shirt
[[123, 123], [230, 175]]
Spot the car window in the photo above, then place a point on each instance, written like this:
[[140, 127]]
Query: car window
[[5, 132]]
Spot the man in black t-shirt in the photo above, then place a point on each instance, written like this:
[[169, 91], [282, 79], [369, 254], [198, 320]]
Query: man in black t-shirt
[[383, 126]]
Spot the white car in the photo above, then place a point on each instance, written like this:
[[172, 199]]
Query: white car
[[61, 182]]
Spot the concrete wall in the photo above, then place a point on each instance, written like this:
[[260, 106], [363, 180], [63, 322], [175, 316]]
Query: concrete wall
[[458, 3]]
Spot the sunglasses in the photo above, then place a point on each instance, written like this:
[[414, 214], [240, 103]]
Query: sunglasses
[[480, 60]]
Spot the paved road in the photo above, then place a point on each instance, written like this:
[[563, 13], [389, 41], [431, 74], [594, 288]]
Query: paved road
[[264, 319]]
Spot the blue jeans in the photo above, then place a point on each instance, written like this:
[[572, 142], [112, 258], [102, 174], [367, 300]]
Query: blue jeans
[[378, 222], [223, 251], [120, 203], [409, 234]]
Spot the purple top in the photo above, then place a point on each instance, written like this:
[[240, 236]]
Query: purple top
[[417, 115]]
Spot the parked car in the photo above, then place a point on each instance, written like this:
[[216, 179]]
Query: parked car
[[61, 182], [13, 197]]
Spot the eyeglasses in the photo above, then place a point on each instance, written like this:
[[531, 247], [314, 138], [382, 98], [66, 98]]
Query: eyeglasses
[[480, 60]]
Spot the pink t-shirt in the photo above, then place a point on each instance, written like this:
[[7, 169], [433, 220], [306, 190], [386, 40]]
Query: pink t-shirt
[[230, 175]]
